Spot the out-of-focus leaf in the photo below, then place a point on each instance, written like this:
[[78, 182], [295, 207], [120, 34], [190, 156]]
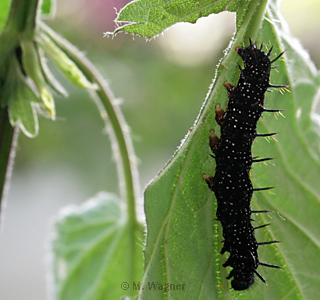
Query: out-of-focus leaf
[[22, 111], [92, 257], [32, 65], [64, 63], [47, 7], [20, 98], [50, 78], [184, 240]]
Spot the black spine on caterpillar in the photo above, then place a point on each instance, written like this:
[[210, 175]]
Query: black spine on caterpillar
[[232, 152]]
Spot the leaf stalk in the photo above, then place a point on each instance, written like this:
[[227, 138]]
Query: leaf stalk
[[121, 142]]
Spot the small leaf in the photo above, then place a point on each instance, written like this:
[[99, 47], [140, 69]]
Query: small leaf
[[64, 63], [50, 79], [20, 97], [91, 252], [47, 7], [48, 101], [22, 110], [32, 66]]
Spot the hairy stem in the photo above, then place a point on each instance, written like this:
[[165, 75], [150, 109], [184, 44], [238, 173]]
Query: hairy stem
[[122, 145], [21, 22], [7, 150], [22, 16]]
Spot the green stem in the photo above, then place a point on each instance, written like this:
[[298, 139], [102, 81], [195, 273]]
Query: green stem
[[22, 20], [119, 136], [23, 16], [7, 150], [251, 23]]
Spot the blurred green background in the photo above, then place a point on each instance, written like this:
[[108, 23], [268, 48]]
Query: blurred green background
[[161, 84]]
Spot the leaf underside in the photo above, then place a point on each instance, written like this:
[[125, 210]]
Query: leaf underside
[[184, 240], [91, 251], [151, 17]]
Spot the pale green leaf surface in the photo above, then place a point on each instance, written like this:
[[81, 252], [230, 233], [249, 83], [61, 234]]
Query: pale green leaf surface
[[64, 63], [20, 98], [90, 247], [22, 110], [54, 84], [184, 240], [151, 17]]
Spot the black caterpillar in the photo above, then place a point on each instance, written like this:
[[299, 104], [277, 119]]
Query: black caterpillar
[[232, 152]]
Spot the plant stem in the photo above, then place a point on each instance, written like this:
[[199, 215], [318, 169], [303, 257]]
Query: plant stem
[[251, 25], [7, 150], [122, 145], [22, 16], [21, 21]]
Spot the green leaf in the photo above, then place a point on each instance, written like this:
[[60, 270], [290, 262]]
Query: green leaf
[[4, 11], [20, 98], [33, 67], [50, 78], [47, 7], [151, 17], [91, 252], [184, 240], [64, 63], [22, 110]]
